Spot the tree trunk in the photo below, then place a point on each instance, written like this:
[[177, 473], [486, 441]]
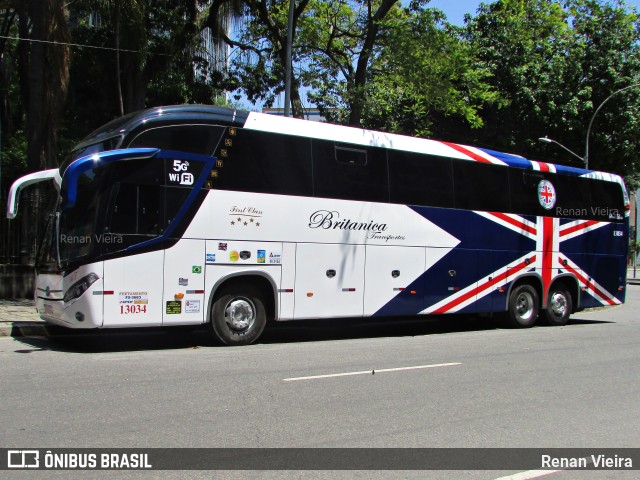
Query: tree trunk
[[38, 12], [118, 76], [356, 89]]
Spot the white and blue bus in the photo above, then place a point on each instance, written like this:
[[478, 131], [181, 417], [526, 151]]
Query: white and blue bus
[[188, 215]]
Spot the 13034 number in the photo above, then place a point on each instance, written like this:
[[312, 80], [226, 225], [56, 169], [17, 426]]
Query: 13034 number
[[125, 309]]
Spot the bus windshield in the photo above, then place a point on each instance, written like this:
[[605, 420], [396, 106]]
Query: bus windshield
[[80, 223], [47, 256], [119, 205]]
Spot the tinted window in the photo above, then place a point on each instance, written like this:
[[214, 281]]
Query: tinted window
[[202, 139], [575, 197], [608, 200], [349, 173], [351, 156], [480, 186], [416, 179], [250, 161], [144, 199], [524, 192]]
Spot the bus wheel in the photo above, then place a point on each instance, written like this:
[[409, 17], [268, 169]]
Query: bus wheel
[[523, 306], [559, 307], [238, 318]]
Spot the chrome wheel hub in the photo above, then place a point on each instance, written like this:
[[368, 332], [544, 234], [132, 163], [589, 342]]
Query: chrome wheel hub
[[240, 314], [558, 304], [524, 306]]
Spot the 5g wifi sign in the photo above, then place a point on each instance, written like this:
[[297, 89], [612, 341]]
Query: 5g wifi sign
[[180, 173], [23, 459]]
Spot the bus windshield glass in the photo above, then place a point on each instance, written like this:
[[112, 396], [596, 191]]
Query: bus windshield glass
[[47, 257], [119, 205], [80, 223]]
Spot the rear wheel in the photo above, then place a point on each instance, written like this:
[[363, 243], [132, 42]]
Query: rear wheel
[[239, 317], [524, 305], [559, 306]]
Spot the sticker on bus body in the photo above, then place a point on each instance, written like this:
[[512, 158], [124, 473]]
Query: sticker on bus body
[[192, 306], [133, 298], [275, 258], [174, 307]]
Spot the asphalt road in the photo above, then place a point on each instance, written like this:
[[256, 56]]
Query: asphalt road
[[471, 385]]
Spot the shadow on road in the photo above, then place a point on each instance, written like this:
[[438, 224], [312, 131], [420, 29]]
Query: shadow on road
[[171, 338]]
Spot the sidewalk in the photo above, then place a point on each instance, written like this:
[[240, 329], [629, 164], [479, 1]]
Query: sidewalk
[[18, 318]]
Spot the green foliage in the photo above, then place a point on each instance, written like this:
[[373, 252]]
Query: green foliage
[[517, 70], [557, 62], [425, 73], [14, 160]]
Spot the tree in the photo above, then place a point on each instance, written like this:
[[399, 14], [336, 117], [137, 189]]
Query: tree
[[423, 77], [556, 62], [608, 57], [48, 80], [257, 68], [335, 36], [338, 44]]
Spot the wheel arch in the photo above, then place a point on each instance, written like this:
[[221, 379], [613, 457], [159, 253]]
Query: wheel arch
[[533, 279], [260, 280]]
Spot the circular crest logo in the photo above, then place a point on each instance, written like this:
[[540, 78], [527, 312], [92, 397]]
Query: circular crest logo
[[546, 194]]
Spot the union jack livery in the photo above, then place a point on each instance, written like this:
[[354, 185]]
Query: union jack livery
[[192, 214]]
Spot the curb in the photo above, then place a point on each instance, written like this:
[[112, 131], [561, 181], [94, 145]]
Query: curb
[[23, 329]]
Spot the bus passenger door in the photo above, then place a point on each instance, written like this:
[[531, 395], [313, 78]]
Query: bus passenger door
[[184, 270], [329, 280]]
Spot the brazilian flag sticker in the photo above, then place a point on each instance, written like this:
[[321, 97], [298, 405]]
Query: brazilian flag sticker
[[196, 269]]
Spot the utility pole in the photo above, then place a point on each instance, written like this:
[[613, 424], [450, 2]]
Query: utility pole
[[287, 68]]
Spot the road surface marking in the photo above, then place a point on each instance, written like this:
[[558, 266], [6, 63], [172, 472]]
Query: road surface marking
[[369, 372], [529, 475]]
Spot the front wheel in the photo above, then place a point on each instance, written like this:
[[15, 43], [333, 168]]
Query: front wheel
[[238, 318], [524, 305], [559, 307]]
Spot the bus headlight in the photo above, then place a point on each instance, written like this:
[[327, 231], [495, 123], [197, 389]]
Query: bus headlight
[[81, 286]]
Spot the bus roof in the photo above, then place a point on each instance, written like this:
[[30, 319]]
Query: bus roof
[[171, 113], [291, 126]]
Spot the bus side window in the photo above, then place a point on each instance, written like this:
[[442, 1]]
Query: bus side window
[[608, 200], [524, 192], [479, 186], [351, 156], [202, 139], [573, 196], [350, 172], [418, 179], [263, 162]]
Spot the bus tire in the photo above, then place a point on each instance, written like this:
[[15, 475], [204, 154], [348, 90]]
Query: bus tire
[[524, 305], [559, 307], [238, 318]]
